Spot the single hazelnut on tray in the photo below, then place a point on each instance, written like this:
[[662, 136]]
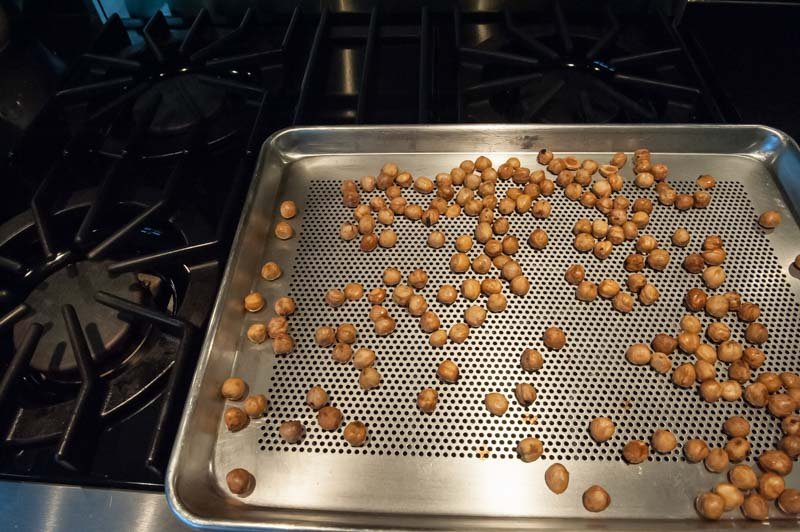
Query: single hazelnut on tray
[[663, 441], [737, 449], [717, 460], [586, 291], [635, 452], [325, 336], [776, 461], [789, 501], [710, 505], [756, 333], [596, 499], [255, 405], [638, 354], [681, 237], [660, 362], [713, 277], [233, 389], [769, 219], [554, 338], [496, 403], [270, 271], [695, 450], [531, 360], [253, 302], [771, 485], [447, 294], [342, 353], [355, 433], [520, 285], [285, 306], [448, 371], [257, 333], [557, 478], [755, 507], [235, 419], [369, 378], [608, 288], [427, 399], [459, 332], [529, 449], [282, 344], [329, 418], [316, 398], [240, 481], [622, 302], [475, 316], [575, 274], [525, 394], [376, 296], [334, 297], [743, 477], [601, 429], [288, 209]]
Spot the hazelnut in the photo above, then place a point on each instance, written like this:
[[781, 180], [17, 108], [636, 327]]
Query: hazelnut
[[427, 399], [684, 375], [710, 505], [429, 321], [240, 481], [601, 429], [753, 357], [781, 405], [684, 201], [544, 156], [270, 271], [257, 333], [689, 343], [713, 277], [695, 299], [541, 209], [706, 371], [491, 286], [664, 343], [714, 257], [710, 391], [329, 418], [608, 288], [384, 326], [235, 419], [376, 296], [369, 378], [387, 238], [402, 295], [413, 212], [730, 494], [743, 477], [520, 285], [325, 336], [769, 219], [660, 362], [284, 230], [756, 394], [459, 263], [596, 499], [500, 226], [717, 306], [663, 441], [634, 262], [253, 302], [749, 312], [531, 360], [554, 338], [770, 485], [790, 444], [459, 333], [525, 394], [285, 306], [496, 303], [496, 403], [702, 199], [718, 332], [729, 351], [693, 263], [438, 338], [582, 225], [470, 289], [233, 389], [775, 461], [334, 297], [255, 405], [756, 333], [436, 239], [622, 302], [392, 276], [755, 507], [731, 390], [417, 305], [648, 295], [355, 433], [316, 398], [771, 380], [538, 239], [690, 324], [788, 379], [586, 291], [638, 354], [737, 449], [346, 333], [510, 270], [640, 220], [636, 282], [695, 450], [342, 353], [599, 228], [658, 259], [602, 250], [681, 237], [717, 460], [557, 478], [529, 449], [475, 316], [645, 244], [575, 274], [635, 452]]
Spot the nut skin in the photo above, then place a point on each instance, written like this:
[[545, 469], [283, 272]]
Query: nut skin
[[710, 506], [663, 441], [239, 481], [554, 338], [255, 405], [525, 394], [355, 433], [789, 501], [695, 450], [601, 429], [635, 452], [529, 449], [496, 403], [316, 398], [235, 419], [292, 431], [233, 389], [329, 418], [557, 478], [427, 400], [596, 499]]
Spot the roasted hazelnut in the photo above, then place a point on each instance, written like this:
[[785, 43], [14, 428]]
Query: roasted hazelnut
[[649, 294], [789, 380], [775, 461], [730, 494], [459, 263], [436, 239], [756, 333], [667, 196], [717, 460], [660, 362], [253, 302], [622, 302], [235, 419], [423, 185], [557, 478], [342, 353], [255, 405], [520, 285], [695, 450], [706, 181], [645, 244], [491, 285], [684, 202], [554, 338], [458, 333], [346, 333], [387, 238], [584, 242], [329, 418], [634, 262], [285, 306], [282, 344], [710, 390], [523, 203], [355, 433], [377, 312], [510, 270], [737, 449], [270, 271], [718, 332], [556, 165], [781, 405], [681, 237], [582, 225], [496, 303], [713, 277], [363, 358], [695, 299], [602, 250], [334, 297], [573, 191], [398, 205], [470, 289], [529, 449], [770, 485], [729, 351], [690, 324], [596, 499], [525, 394], [710, 505], [701, 198], [743, 477], [531, 360], [790, 444], [693, 263], [240, 481], [376, 296], [496, 403], [618, 217], [638, 354], [608, 288], [753, 357], [366, 224], [284, 230], [644, 180], [714, 257], [438, 338], [413, 212], [325, 336], [384, 326], [769, 219], [544, 156], [756, 394], [475, 316], [538, 239], [257, 333], [640, 219], [586, 291], [684, 375], [731, 390], [755, 507], [664, 343], [635, 452], [233, 389], [706, 371], [658, 259], [402, 295], [688, 342], [717, 306], [369, 378], [458, 175], [601, 429], [749, 312]]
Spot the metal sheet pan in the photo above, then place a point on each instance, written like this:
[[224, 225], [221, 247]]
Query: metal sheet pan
[[418, 472]]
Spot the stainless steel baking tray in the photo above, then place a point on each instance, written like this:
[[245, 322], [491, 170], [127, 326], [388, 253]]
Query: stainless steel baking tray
[[456, 468]]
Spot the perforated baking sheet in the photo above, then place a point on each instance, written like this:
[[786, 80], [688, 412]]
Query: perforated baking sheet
[[454, 461]]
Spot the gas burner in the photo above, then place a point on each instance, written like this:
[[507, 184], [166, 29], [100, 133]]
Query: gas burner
[[586, 66], [184, 103]]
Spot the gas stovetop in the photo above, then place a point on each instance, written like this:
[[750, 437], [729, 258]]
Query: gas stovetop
[[130, 180]]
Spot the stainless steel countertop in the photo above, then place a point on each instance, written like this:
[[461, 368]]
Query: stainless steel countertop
[[51, 507]]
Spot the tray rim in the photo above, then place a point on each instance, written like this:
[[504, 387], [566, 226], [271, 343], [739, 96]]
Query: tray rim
[[187, 516]]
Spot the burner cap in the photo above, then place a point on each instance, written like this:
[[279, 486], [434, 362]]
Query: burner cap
[[185, 101], [76, 284]]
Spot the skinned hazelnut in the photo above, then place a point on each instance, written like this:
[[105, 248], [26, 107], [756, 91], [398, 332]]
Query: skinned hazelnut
[[789, 380], [346, 333], [731, 390], [239, 481], [634, 262], [496, 403], [717, 306], [602, 250], [438, 338], [695, 450], [596, 499], [586, 291], [681, 237], [781, 405], [635, 282], [749, 312], [417, 305], [790, 444], [284, 230], [706, 371], [342, 353], [622, 302], [402, 295], [713, 277], [384, 326], [684, 202], [608, 288], [756, 394], [660, 362], [664, 343], [753, 357], [510, 270], [756, 333], [529, 449], [690, 324], [737, 449], [710, 390], [771, 485], [732, 496], [253, 302], [538, 239], [718, 332], [481, 264], [575, 274], [775, 461], [325, 336], [531, 360], [714, 257], [257, 333], [689, 343], [334, 297], [755, 507], [554, 338], [355, 433], [363, 358], [470, 289], [436, 239], [601, 429], [638, 354], [649, 294], [475, 316], [329, 418], [255, 405], [635, 452], [684, 375], [369, 378], [729, 351], [496, 303], [270, 271], [376, 296], [525, 394], [658, 259], [458, 333], [392, 276], [285, 306], [235, 419], [695, 299], [233, 389], [520, 285], [693, 263], [459, 263], [743, 477]]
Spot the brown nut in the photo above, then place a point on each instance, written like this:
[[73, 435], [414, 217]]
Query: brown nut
[[681, 237], [664, 343], [729, 351], [649, 294], [693, 263], [737, 449], [717, 306], [718, 332], [520, 285], [743, 477], [756, 333], [660, 362], [475, 316], [355, 433], [284, 230], [638, 354], [635, 282], [790, 444], [749, 312], [235, 419], [586, 291], [253, 302], [427, 400], [602, 429], [635, 452], [233, 389], [695, 299], [525, 394], [471, 288], [710, 506], [385, 326], [257, 333], [531, 360], [240, 481], [756, 394], [658, 259], [690, 343], [575, 274], [755, 507], [329, 418], [557, 478], [285, 306], [710, 390], [717, 460], [436, 239], [634, 262], [684, 202], [622, 302], [769, 219], [255, 405], [732, 496], [596, 499], [538, 239], [342, 353], [376, 296], [459, 263], [459, 333], [316, 398], [346, 333], [663, 441], [608, 288], [402, 295], [695, 450], [554, 338], [791, 425], [705, 372], [790, 380], [270, 271], [714, 257], [771, 485], [417, 305], [334, 297], [496, 303], [775, 461], [496, 403], [713, 277], [781, 405], [529, 449]]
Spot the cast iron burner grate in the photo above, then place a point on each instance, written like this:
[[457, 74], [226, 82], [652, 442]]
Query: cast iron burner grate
[[559, 66]]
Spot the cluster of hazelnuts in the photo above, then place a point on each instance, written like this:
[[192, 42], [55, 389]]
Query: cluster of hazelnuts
[[240, 481], [708, 262], [277, 328]]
